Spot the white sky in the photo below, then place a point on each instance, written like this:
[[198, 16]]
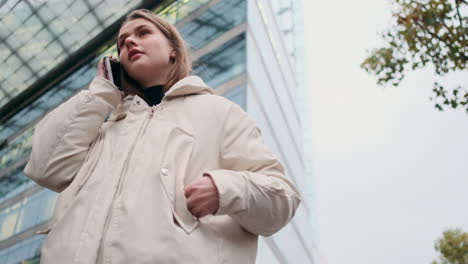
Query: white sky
[[391, 171]]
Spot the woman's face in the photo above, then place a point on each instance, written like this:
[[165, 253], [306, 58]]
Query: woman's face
[[145, 52]]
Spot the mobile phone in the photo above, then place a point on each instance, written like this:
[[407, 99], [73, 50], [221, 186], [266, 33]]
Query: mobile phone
[[113, 71]]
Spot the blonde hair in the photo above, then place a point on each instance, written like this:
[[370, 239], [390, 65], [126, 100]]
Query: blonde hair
[[182, 62]]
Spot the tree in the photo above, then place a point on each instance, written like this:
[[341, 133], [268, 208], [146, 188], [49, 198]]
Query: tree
[[424, 32], [453, 247]]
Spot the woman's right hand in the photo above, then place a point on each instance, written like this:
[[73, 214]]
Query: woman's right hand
[[101, 72]]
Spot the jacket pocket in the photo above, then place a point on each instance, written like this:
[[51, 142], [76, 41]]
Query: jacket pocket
[[174, 167]]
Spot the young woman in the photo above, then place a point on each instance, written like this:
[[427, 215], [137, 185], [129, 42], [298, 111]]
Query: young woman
[[176, 174]]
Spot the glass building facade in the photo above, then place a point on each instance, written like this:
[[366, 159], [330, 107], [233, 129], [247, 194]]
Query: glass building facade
[[249, 51]]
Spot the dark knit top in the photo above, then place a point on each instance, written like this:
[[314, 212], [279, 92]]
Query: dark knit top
[[153, 94]]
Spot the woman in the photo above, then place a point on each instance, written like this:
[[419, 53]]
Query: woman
[[175, 174]]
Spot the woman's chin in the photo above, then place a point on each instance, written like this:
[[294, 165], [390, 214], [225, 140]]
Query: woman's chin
[[137, 71]]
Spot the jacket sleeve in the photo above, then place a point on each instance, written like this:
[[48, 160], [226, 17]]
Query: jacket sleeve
[[251, 184], [62, 138]]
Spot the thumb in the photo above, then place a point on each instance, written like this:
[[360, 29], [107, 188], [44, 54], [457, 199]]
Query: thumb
[[100, 69]]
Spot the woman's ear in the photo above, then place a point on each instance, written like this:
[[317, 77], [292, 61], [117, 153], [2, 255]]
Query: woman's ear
[[172, 56]]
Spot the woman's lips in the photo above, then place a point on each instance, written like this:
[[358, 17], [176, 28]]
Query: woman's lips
[[132, 53], [136, 55]]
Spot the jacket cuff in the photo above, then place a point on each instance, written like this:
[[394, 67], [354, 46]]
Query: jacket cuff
[[105, 90], [231, 191]]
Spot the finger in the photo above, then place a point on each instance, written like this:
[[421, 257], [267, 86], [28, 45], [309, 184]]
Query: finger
[[202, 209], [197, 211], [190, 203], [194, 201], [189, 190], [202, 213], [101, 64], [193, 210], [101, 70]]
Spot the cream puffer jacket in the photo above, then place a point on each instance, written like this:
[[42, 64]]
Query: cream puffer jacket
[[121, 180]]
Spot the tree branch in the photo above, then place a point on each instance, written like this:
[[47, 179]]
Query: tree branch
[[434, 35], [457, 4]]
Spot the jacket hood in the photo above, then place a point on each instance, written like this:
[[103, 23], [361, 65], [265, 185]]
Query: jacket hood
[[189, 85], [185, 86]]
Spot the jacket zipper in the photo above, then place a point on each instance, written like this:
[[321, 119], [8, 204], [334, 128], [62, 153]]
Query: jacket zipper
[[130, 154], [117, 192]]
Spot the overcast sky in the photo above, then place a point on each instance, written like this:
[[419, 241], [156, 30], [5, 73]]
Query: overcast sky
[[391, 171]]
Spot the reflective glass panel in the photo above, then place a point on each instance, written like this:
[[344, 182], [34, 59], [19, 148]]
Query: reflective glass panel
[[46, 32], [213, 22], [25, 252], [237, 95], [223, 63], [29, 212]]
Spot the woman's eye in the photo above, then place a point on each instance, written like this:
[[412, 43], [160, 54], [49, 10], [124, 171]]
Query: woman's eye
[[144, 32], [121, 43]]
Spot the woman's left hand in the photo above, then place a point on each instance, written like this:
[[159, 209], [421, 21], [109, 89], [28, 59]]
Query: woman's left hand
[[202, 196]]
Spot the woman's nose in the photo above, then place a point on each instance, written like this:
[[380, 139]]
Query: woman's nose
[[130, 42]]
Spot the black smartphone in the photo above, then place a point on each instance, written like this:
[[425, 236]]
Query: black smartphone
[[113, 71]]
